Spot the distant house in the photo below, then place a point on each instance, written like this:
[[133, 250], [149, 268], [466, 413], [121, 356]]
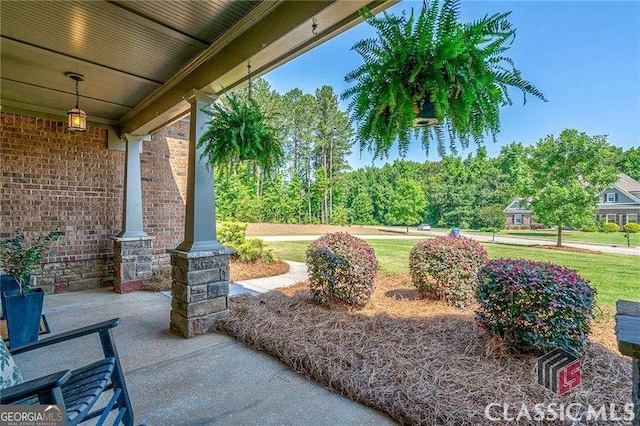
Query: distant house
[[518, 213], [619, 204]]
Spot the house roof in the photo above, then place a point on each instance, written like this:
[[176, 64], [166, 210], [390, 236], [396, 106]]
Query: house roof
[[142, 58], [627, 183]]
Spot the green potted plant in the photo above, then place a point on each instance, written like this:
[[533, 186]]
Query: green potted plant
[[239, 131], [433, 75], [21, 303]]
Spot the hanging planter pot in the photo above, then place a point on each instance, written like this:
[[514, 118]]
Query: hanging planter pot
[[462, 67], [239, 131], [23, 316], [426, 116]]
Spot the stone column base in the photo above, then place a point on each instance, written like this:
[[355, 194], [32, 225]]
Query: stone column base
[[132, 259], [200, 285]]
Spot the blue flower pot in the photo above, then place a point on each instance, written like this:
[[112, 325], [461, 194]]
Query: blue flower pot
[[7, 283], [23, 316]]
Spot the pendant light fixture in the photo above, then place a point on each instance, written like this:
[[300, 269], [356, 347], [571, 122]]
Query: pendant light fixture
[[77, 118]]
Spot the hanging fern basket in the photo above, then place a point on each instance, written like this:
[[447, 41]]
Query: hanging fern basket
[[239, 132]]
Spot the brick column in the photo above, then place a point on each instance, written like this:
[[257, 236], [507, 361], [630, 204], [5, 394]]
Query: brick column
[[132, 259], [200, 264]]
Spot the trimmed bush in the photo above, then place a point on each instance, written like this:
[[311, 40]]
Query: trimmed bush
[[590, 228], [233, 234], [446, 268], [611, 227], [631, 227], [534, 306], [341, 268]]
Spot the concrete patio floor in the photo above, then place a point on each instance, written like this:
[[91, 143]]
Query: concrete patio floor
[[207, 380]]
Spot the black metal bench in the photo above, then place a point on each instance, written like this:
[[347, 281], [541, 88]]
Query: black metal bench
[[79, 390], [628, 334]]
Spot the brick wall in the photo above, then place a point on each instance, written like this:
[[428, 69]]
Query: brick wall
[[53, 178], [164, 187]]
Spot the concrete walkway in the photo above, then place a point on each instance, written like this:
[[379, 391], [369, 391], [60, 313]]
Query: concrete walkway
[[297, 273], [208, 380]]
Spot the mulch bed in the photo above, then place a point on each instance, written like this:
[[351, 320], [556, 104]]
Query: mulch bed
[[238, 271], [419, 361], [566, 248]]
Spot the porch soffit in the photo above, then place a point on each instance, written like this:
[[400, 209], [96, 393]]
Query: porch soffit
[[142, 58]]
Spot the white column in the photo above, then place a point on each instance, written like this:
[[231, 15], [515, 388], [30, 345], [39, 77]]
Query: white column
[[200, 218], [132, 226]]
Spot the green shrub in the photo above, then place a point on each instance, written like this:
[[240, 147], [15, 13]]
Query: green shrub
[[590, 228], [631, 227], [534, 306], [446, 268], [611, 227], [233, 234], [341, 268]]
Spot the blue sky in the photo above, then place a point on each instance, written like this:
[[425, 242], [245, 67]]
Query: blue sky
[[583, 55]]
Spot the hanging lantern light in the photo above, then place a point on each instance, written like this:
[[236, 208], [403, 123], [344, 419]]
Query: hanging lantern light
[[77, 118]]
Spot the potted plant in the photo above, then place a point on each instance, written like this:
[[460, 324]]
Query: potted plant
[[432, 74], [21, 303], [239, 131]]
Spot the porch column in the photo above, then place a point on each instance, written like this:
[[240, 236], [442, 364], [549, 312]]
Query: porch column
[[132, 248], [200, 264]]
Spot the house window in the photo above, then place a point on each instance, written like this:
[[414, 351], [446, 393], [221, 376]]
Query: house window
[[632, 217], [517, 218], [610, 197], [611, 218]]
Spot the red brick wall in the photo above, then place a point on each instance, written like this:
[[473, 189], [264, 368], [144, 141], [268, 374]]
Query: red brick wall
[[164, 185], [50, 177]]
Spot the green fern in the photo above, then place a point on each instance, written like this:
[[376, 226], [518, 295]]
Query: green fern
[[239, 132], [460, 68]]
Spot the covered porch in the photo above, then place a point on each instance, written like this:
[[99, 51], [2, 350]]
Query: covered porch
[[131, 189]]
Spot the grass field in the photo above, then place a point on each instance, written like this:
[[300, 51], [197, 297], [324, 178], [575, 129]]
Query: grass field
[[615, 276]]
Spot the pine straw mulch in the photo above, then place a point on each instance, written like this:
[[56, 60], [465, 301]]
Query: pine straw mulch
[[238, 271], [419, 361], [567, 248]]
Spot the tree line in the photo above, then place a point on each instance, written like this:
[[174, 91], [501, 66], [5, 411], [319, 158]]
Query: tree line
[[314, 183]]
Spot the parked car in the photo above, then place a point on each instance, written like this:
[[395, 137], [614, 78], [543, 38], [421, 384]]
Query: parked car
[[424, 227]]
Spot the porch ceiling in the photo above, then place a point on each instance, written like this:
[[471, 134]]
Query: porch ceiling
[[141, 58]]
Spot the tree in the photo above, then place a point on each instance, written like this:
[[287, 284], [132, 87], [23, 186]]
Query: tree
[[361, 209], [492, 217], [407, 203], [568, 173], [630, 163]]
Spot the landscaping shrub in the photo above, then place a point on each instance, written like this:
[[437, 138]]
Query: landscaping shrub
[[611, 227], [446, 268], [631, 227], [233, 234], [534, 306], [535, 226], [341, 268], [590, 228]]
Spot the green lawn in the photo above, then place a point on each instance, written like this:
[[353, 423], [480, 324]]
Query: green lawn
[[608, 238], [615, 276]]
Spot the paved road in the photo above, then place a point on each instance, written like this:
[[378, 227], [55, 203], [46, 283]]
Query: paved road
[[634, 251]]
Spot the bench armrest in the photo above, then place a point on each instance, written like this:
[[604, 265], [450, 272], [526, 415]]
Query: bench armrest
[[63, 337], [34, 387]]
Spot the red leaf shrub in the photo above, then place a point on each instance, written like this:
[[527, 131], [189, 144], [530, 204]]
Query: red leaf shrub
[[341, 268], [534, 306], [446, 268]]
